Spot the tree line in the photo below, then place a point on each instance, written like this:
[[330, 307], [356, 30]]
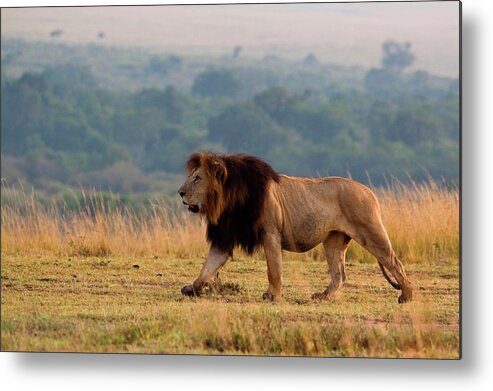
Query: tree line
[[60, 129]]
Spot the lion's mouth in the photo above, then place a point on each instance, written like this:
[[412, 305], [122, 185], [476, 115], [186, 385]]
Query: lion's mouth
[[192, 208]]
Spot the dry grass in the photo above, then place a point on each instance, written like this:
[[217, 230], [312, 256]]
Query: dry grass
[[94, 304], [28, 228], [422, 221], [106, 279]]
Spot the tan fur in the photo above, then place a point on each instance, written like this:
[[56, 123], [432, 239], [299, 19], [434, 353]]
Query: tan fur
[[298, 214], [303, 212]]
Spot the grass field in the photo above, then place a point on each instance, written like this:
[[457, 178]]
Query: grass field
[[110, 282]]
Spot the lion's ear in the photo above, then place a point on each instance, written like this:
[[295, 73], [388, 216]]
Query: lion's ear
[[194, 161], [219, 170]]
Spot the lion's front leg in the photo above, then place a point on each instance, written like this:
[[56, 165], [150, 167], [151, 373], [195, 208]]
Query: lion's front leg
[[273, 254], [215, 259]]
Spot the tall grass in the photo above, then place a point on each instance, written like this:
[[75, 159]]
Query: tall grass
[[422, 221], [97, 229]]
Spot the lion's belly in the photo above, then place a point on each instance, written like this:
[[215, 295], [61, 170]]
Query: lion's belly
[[304, 235], [298, 246]]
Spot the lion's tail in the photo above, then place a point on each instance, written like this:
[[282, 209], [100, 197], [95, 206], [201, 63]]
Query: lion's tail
[[395, 284]]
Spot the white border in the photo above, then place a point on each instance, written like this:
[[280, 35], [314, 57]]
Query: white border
[[473, 372]]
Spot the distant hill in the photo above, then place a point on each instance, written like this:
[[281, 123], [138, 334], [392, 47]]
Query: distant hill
[[342, 34]]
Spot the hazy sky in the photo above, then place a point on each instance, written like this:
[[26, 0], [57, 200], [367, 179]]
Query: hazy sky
[[347, 34]]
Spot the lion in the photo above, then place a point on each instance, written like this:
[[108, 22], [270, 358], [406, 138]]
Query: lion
[[247, 204]]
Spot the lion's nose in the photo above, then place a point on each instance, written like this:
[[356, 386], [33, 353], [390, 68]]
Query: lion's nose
[[181, 193]]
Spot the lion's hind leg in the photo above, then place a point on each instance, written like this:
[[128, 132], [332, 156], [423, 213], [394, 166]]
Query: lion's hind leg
[[335, 247], [377, 243]]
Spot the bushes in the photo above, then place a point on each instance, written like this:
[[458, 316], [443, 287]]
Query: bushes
[[398, 125]]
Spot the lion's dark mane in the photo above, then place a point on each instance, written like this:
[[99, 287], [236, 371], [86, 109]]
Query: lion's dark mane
[[245, 191]]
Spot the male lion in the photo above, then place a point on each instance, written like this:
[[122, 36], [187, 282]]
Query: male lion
[[247, 204]]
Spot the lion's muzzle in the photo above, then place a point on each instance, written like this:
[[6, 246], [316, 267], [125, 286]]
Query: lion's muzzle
[[194, 208]]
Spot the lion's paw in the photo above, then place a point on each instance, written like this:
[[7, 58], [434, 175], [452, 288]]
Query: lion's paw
[[318, 296], [404, 299], [268, 296], [188, 290]]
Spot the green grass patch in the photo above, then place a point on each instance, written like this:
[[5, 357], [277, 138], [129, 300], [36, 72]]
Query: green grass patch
[[90, 304]]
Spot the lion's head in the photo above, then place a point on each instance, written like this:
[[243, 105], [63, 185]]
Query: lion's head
[[229, 190], [202, 191]]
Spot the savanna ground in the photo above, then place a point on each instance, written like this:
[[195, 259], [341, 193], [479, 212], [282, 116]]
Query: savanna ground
[[106, 280]]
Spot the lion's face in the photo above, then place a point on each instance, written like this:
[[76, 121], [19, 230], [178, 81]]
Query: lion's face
[[203, 190], [194, 191]]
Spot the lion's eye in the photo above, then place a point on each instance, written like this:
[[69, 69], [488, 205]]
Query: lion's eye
[[197, 178]]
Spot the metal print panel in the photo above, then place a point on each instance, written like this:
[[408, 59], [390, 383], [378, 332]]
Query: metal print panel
[[262, 179]]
